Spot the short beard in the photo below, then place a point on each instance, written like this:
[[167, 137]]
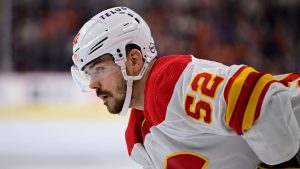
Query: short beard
[[118, 106], [118, 102]]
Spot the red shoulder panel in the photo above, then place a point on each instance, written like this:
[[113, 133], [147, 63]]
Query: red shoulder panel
[[160, 85], [159, 88]]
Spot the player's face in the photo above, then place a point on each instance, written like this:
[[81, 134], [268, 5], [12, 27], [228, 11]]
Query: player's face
[[108, 81]]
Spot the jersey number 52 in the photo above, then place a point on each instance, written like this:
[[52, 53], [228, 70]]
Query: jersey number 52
[[201, 109]]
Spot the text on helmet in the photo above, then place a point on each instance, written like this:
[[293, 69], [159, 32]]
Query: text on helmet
[[112, 12]]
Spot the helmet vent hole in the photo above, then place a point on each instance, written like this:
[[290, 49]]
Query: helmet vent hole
[[98, 43], [95, 49], [137, 20], [97, 46], [81, 60], [130, 14]]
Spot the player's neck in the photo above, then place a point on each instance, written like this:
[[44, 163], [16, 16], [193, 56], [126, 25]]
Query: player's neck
[[137, 101]]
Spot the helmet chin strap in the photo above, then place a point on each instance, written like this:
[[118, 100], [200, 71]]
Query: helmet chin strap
[[126, 104], [130, 80]]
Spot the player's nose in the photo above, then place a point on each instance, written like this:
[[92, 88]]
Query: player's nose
[[94, 84]]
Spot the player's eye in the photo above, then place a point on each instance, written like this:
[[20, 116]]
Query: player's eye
[[99, 70]]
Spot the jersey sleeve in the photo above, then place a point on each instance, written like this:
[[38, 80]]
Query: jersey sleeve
[[244, 94], [259, 108], [292, 81], [275, 135]]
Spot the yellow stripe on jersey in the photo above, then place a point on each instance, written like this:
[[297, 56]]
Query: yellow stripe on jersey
[[244, 95], [248, 119], [234, 92]]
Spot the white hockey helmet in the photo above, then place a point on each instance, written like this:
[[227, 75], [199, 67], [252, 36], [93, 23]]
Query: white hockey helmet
[[109, 32]]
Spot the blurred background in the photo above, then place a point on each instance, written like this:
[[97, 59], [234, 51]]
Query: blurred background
[[47, 123]]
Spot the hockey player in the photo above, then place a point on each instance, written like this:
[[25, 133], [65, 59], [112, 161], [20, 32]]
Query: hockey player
[[187, 113]]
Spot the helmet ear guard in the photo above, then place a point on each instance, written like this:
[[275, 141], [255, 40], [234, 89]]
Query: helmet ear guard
[[108, 33]]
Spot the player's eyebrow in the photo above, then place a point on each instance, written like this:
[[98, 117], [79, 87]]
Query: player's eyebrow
[[95, 63], [99, 60]]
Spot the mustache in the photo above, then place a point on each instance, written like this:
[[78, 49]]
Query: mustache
[[102, 92]]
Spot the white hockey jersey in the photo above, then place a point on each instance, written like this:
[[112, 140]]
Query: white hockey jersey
[[200, 114]]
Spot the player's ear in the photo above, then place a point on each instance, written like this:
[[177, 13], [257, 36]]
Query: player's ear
[[134, 62]]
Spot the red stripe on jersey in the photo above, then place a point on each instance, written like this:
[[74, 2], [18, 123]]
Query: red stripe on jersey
[[160, 85], [133, 132], [236, 120], [137, 129], [261, 99], [231, 80], [290, 78]]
